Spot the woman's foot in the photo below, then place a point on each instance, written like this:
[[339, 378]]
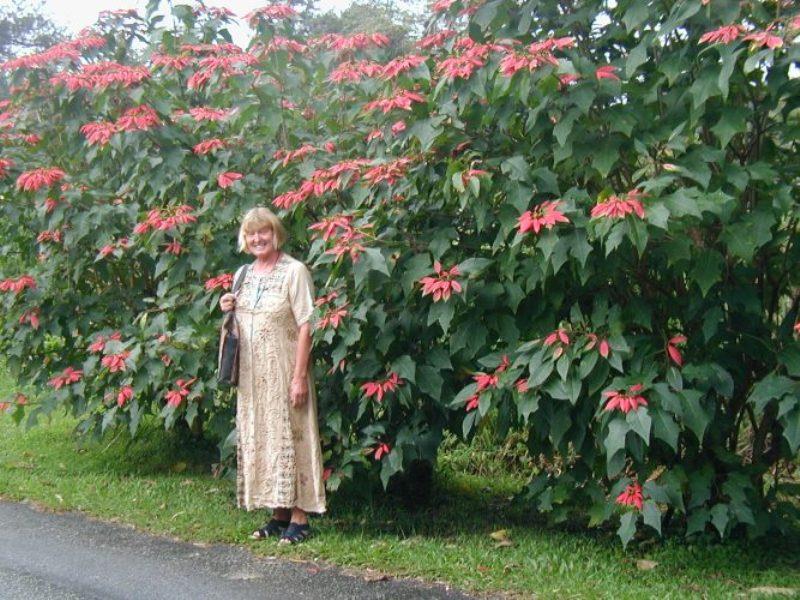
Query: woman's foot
[[273, 528], [296, 533]]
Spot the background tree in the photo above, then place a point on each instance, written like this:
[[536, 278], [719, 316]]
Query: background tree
[[24, 28]]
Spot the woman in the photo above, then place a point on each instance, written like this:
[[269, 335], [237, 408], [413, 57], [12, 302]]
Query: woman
[[278, 451]]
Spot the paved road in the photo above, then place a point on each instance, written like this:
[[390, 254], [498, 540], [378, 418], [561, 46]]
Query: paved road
[[47, 556]]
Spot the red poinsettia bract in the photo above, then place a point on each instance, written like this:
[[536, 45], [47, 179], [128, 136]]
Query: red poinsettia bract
[[672, 349], [175, 396], [723, 35], [616, 207], [381, 450], [223, 281], [67, 376], [632, 496], [380, 388], [115, 362], [124, 395], [443, 285], [30, 181], [544, 216], [227, 179], [625, 401], [18, 285]]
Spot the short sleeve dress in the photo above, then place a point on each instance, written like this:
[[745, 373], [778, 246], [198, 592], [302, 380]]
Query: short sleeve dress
[[278, 450]]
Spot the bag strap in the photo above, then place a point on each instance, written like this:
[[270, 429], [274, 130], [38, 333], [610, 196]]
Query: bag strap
[[237, 283], [240, 278]]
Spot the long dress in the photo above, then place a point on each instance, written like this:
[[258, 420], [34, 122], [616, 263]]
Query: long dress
[[278, 450]]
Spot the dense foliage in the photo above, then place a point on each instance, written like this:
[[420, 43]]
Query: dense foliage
[[577, 217]]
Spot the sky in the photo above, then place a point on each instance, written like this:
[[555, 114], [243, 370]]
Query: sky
[[77, 14]]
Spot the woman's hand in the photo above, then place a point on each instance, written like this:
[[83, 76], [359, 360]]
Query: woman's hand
[[299, 391], [227, 302]]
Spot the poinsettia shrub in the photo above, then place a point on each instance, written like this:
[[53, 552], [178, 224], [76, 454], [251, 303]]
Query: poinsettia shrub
[[579, 219]]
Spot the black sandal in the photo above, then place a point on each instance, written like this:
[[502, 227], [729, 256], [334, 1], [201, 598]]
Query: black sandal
[[296, 533], [273, 528]]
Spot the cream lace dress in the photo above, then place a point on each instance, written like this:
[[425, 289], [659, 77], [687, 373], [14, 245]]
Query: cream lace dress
[[278, 449]]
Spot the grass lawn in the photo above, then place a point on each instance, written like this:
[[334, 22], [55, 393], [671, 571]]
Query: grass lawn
[[158, 484]]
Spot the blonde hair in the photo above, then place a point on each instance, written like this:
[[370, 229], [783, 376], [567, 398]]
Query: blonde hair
[[261, 217]]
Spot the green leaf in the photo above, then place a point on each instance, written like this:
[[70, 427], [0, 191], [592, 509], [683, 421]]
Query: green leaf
[[720, 517], [442, 313], [636, 58], [405, 367], [729, 57], [639, 421], [707, 269], [651, 515], [732, 122], [772, 387], [372, 259], [615, 439], [430, 381], [627, 527], [694, 415], [516, 167], [665, 428]]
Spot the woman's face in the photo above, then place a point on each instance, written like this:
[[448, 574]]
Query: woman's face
[[260, 242]]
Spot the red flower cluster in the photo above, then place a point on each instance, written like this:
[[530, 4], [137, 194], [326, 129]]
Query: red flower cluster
[[560, 336], [402, 100], [485, 381], [632, 496], [223, 281], [291, 155], [333, 317], [176, 396], [545, 216], [442, 5], [463, 65], [227, 179], [68, 376], [536, 55], [625, 401], [227, 65], [205, 113], [722, 35], [355, 71], [124, 395], [273, 11], [398, 127], [207, 146], [67, 50], [5, 163], [759, 39], [30, 181], [174, 247], [603, 348], [98, 132], [435, 40], [615, 207], [99, 76], [322, 181], [121, 244], [54, 236], [175, 63], [99, 343], [348, 243], [30, 317], [796, 327], [17, 286], [331, 226], [443, 285], [381, 450], [115, 362], [138, 118], [165, 219], [282, 43], [400, 65], [389, 172], [358, 41], [673, 351], [381, 387], [606, 72]]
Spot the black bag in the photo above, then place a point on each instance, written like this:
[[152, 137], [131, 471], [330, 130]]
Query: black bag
[[228, 364]]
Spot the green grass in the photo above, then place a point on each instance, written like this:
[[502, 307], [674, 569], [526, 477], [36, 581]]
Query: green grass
[[158, 484]]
